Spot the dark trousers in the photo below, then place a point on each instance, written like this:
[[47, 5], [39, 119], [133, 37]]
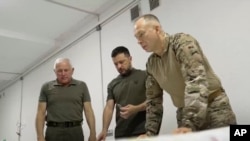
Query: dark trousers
[[64, 134]]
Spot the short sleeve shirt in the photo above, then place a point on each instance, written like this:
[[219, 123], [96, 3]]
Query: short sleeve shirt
[[124, 90], [64, 103]]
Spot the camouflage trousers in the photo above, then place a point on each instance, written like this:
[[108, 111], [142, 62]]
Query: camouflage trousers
[[219, 114]]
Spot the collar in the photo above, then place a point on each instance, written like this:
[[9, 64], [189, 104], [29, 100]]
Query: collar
[[72, 82]]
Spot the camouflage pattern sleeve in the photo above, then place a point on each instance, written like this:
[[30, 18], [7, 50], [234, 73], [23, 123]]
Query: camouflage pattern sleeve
[[154, 109], [190, 56]]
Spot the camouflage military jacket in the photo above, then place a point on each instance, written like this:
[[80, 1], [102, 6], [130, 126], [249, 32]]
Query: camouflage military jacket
[[183, 72]]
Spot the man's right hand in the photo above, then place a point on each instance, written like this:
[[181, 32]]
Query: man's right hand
[[102, 136], [41, 139], [142, 136]]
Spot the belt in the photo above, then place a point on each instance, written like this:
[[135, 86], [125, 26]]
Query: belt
[[64, 124], [213, 95]]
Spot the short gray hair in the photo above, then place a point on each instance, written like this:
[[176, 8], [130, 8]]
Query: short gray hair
[[149, 17], [59, 60]]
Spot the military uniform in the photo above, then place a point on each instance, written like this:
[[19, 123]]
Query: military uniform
[[64, 110], [184, 72], [124, 90]]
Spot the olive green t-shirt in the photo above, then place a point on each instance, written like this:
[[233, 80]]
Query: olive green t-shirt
[[124, 90], [64, 103]]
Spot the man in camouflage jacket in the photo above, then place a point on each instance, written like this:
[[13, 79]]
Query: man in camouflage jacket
[[179, 67]]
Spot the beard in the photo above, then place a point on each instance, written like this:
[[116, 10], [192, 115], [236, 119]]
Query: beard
[[125, 72]]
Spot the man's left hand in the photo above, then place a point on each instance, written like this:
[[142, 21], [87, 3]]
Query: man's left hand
[[127, 111], [182, 130]]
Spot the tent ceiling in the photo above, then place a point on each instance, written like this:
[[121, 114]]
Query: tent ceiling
[[31, 29]]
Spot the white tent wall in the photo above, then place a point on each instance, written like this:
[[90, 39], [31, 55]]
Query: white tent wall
[[10, 109], [221, 27], [32, 84]]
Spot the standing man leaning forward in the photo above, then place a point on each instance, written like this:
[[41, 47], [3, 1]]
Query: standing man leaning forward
[[178, 66], [127, 92], [61, 105]]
